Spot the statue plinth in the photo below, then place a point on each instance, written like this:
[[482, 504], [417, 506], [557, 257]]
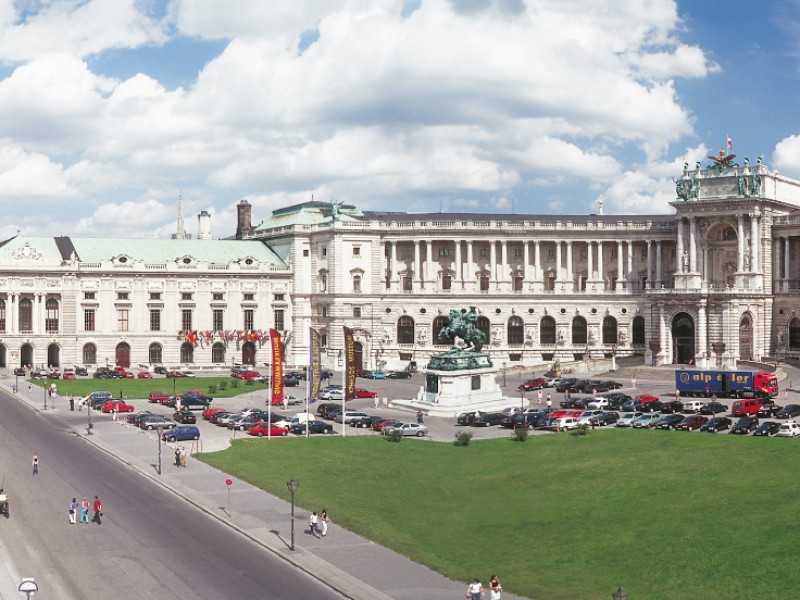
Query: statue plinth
[[457, 359]]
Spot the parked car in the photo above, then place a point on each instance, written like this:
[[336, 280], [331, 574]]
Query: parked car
[[653, 406], [144, 375], [313, 427], [158, 397], [537, 383], [81, 371], [152, 421], [68, 373], [366, 422], [160, 370], [209, 412], [20, 371], [605, 418], [693, 406], [565, 384], [376, 375], [381, 425], [745, 425], [191, 400], [716, 424], [242, 422], [767, 428], [626, 419], [263, 429], [671, 407], [599, 402], [119, 405], [181, 433], [790, 411], [398, 375], [247, 375], [364, 393], [331, 394], [291, 382], [124, 374], [414, 429], [790, 429], [465, 418], [646, 421], [184, 417], [323, 407], [564, 423], [587, 416], [486, 419], [712, 408], [348, 416], [616, 400], [692, 422], [669, 421]]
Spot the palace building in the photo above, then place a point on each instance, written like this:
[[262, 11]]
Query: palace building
[[711, 284]]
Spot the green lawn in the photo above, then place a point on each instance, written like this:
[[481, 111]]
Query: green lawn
[[141, 388], [664, 514]]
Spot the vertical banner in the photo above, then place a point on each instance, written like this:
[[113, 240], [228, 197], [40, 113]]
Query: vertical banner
[[276, 375], [314, 368], [349, 364]]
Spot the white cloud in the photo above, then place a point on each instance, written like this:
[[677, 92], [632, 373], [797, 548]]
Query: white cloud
[[786, 157]]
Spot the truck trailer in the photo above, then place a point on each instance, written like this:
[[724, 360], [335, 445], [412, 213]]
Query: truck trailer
[[726, 384]]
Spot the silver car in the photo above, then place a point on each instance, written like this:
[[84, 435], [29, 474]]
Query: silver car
[[415, 429]]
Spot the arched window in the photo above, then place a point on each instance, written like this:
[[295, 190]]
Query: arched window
[[609, 330], [547, 330], [794, 333], [89, 354], [187, 352], [515, 331], [405, 330], [218, 353], [637, 333], [154, 354], [26, 315], [578, 330], [440, 323], [483, 324], [51, 315]]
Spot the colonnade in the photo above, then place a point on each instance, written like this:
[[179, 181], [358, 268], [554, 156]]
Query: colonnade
[[748, 252], [11, 313]]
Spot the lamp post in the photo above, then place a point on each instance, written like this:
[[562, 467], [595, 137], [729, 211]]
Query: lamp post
[[614, 357], [44, 389], [292, 484], [160, 431], [504, 374], [620, 594], [89, 416]]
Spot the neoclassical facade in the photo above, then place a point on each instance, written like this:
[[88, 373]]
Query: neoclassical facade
[[711, 284]]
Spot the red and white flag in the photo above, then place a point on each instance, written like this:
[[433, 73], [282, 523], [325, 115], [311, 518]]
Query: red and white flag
[[730, 142]]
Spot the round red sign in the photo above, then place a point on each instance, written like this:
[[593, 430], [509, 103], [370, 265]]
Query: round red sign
[[229, 482]]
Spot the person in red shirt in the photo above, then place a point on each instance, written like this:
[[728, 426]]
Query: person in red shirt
[[97, 511]]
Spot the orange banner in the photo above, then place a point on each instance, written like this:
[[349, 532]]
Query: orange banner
[[276, 374]]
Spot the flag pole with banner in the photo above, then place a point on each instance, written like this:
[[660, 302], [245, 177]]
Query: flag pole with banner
[[314, 372], [276, 374], [349, 376]]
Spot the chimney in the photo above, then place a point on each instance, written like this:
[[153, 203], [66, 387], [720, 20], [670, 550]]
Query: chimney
[[244, 227], [204, 226]]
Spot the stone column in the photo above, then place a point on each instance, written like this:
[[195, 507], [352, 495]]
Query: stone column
[[469, 278], [558, 260], [740, 243], [679, 249], [428, 265], [662, 335], [393, 265], [649, 264], [787, 255], [537, 261], [570, 276], [417, 281], [590, 261], [526, 257], [493, 262], [659, 281], [754, 244], [692, 245], [629, 278], [701, 335], [459, 268], [620, 278], [600, 275], [503, 261]]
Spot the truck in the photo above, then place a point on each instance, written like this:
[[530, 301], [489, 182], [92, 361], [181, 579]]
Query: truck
[[726, 384]]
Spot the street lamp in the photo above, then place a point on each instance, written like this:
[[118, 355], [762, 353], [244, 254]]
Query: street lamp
[[44, 389], [504, 374], [293, 484], [160, 431], [89, 416], [620, 594]]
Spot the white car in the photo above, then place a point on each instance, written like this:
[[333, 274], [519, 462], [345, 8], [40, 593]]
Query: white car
[[693, 406], [647, 420], [586, 417], [407, 429], [332, 394], [552, 381], [598, 402], [564, 423], [349, 415], [627, 418], [790, 429]]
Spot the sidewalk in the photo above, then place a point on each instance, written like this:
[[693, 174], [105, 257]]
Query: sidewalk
[[355, 567]]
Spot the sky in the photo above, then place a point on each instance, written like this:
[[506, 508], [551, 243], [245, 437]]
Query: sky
[[112, 110]]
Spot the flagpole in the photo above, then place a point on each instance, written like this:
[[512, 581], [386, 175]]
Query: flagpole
[[308, 395], [344, 392]]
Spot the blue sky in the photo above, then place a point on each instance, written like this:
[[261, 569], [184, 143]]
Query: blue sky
[[111, 109]]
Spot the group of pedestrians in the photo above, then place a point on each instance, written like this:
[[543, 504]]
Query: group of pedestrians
[[84, 506], [475, 589], [180, 456], [318, 523]]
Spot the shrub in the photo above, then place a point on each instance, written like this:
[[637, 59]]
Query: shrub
[[581, 429], [212, 389], [394, 436], [223, 385], [463, 438], [249, 382], [235, 383], [520, 434]]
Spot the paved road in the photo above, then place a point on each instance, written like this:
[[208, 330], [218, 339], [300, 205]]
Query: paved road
[[151, 544]]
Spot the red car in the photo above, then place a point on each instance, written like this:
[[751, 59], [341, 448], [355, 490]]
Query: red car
[[209, 412], [118, 405], [68, 374], [248, 375], [386, 423], [645, 398], [158, 397], [692, 422], [261, 429], [145, 375], [125, 374], [537, 383], [364, 393]]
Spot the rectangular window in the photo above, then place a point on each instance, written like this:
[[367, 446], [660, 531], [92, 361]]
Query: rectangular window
[[644, 252], [88, 320], [551, 253], [279, 324], [517, 284], [484, 283], [218, 296], [249, 319], [88, 295], [186, 295], [155, 320], [357, 311], [324, 311], [305, 252], [155, 295], [186, 320], [356, 250], [280, 297], [476, 382], [447, 282], [324, 251], [445, 252], [216, 318], [517, 252], [407, 286], [356, 283], [249, 297], [122, 319], [122, 295], [323, 340], [483, 252]]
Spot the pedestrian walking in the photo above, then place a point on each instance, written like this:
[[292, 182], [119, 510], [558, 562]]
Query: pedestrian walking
[[183, 456], [114, 414], [313, 522], [285, 403], [475, 590], [98, 511], [14, 388], [495, 589], [549, 400], [677, 395], [323, 522], [177, 456], [419, 417], [85, 511], [73, 511], [35, 464]]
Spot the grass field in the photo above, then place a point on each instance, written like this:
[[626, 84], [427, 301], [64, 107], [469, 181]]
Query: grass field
[[667, 515], [141, 388]]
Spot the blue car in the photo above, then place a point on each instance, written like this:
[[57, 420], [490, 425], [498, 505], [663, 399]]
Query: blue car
[[181, 433], [376, 375]]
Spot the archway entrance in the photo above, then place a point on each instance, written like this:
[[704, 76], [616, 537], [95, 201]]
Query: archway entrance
[[3, 362], [122, 355], [249, 353], [53, 356], [26, 355], [683, 338], [746, 338], [358, 356]]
